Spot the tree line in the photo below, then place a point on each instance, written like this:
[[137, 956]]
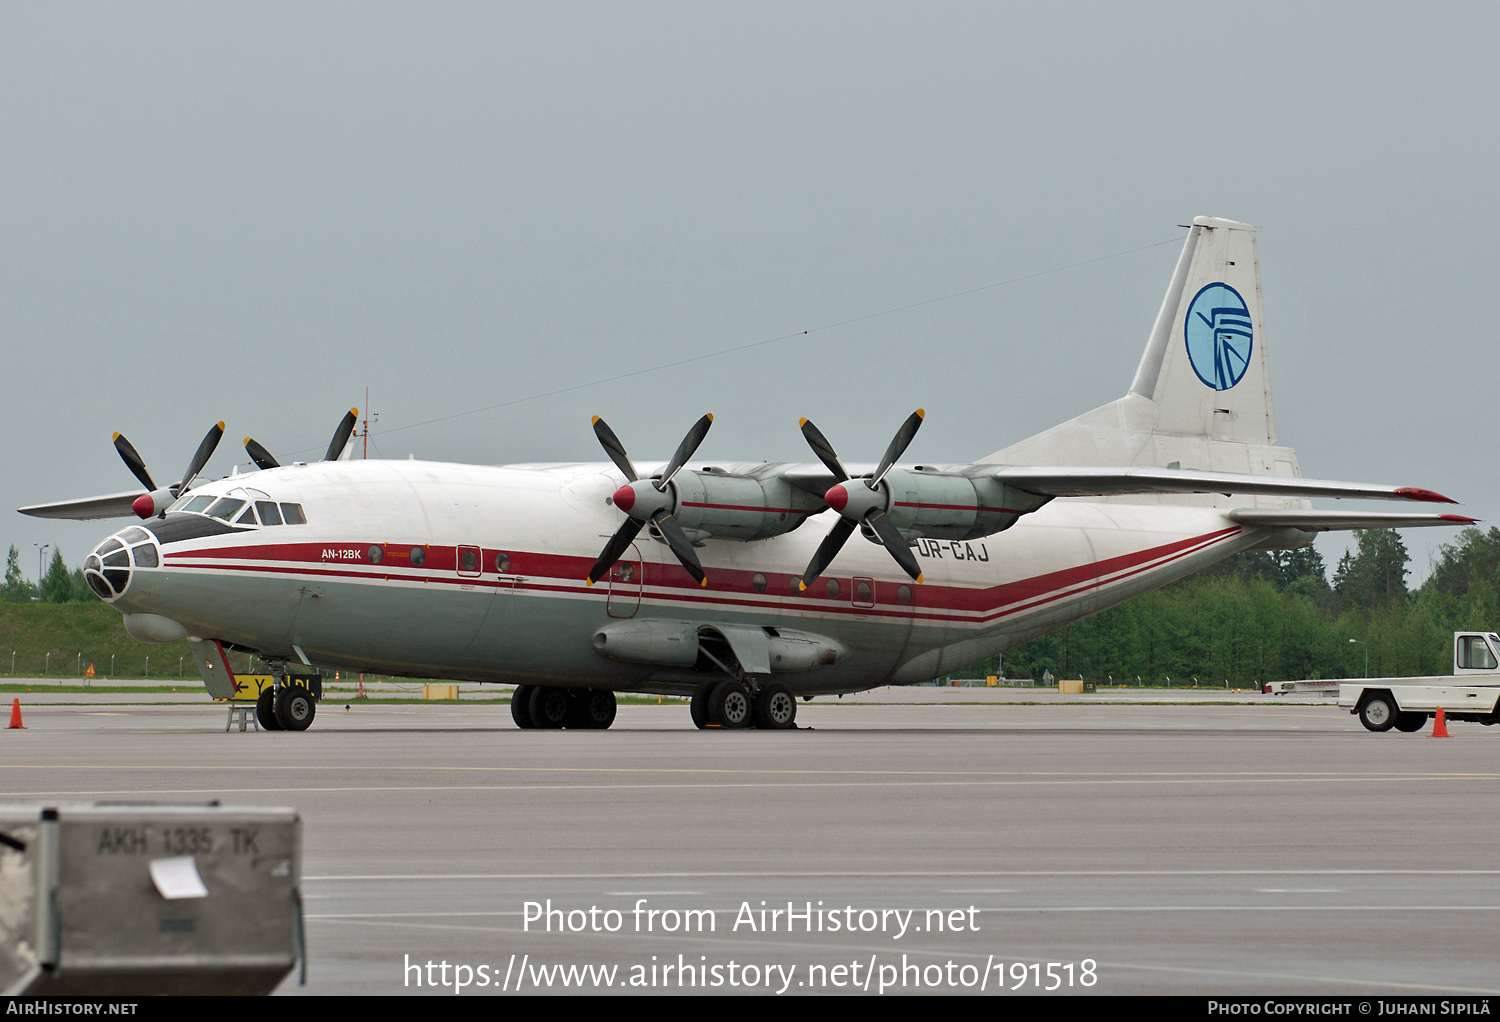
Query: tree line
[[1259, 617], [58, 584]]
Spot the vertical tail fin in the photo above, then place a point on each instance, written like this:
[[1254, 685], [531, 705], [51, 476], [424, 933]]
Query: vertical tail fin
[[1201, 397], [1205, 363]]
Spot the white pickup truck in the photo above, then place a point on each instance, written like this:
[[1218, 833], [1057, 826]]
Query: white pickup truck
[[1406, 703]]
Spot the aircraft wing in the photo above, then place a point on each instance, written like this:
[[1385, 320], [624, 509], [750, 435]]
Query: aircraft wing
[[1085, 481], [1325, 521], [112, 505]]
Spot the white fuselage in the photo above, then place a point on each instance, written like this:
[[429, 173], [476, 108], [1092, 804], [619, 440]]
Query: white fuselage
[[345, 587]]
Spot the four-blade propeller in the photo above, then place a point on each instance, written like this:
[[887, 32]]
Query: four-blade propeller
[[156, 499], [861, 501], [264, 460], [648, 501]]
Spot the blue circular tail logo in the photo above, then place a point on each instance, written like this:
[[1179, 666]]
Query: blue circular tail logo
[[1219, 336]]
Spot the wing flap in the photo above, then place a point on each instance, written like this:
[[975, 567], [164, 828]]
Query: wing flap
[[1327, 521], [1087, 481]]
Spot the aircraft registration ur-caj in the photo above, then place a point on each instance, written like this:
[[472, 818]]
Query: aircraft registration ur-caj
[[744, 584]]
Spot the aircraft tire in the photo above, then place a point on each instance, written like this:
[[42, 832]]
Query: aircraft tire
[[698, 708], [1378, 712], [520, 707], [775, 708], [295, 708], [265, 711], [549, 707], [1410, 722], [730, 706], [591, 709]]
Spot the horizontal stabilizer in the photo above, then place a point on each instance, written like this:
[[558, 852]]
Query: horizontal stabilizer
[[113, 505], [1088, 481], [1326, 521]]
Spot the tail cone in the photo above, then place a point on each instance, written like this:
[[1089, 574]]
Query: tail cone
[[15, 715], [1439, 726]]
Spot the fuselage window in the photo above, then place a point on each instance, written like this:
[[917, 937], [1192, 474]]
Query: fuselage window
[[502, 563], [903, 593], [468, 560], [269, 515], [758, 582], [862, 592], [833, 589], [198, 503], [418, 556], [225, 508], [291, 514]]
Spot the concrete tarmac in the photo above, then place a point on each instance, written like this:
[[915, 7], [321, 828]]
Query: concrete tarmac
[[1275, 848]]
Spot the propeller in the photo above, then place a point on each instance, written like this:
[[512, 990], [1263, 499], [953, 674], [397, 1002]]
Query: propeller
[[648, 501], [157, 498], [264, 460], [863, 501]]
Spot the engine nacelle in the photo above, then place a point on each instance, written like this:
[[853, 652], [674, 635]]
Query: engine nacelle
[[740, 507], [941, 505], [676, 644]]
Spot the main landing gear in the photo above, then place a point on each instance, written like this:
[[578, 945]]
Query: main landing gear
[[540, 706], [731, 704]]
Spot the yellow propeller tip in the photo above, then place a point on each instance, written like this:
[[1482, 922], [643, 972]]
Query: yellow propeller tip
[[354, 412], [801, 586], [114, 436], [221, 427], [588, 581], [704, 583], [921, 414], [801, 422], [709, 416], [247, 440], [595, 420], [919, 579]]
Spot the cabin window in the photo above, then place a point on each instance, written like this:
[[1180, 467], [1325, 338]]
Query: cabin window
[[758, 582], [418, 555], [833, 589], [269, 515], [291, 514], [903, 593], [863, 593], [468, 560], [375, 554], [502, 563]]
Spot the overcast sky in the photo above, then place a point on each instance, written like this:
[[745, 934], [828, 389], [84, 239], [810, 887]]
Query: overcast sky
[[252, 212]]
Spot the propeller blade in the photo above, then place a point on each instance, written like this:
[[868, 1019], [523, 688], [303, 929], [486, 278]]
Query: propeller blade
[[678, 541], [205, 451], [614, 548], [827, 550], [685, 450], [824, 450], [615, 450], [134, 462], [341, 435], [260, 455], [898, 447], [894, 542]]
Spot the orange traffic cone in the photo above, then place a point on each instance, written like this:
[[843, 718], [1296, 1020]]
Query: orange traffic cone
[[1440, 725], [15, 715]]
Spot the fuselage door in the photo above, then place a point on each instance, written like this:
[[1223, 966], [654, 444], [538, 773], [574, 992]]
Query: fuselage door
[[625, 580]]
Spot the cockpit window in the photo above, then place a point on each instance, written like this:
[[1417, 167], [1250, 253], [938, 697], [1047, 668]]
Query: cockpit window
[[292, 514], [195, 504], [269, 515], [134, 535], [248, 518], [225, 508]]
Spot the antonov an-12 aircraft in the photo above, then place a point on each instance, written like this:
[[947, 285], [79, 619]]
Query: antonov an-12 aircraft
[[742, 584]]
